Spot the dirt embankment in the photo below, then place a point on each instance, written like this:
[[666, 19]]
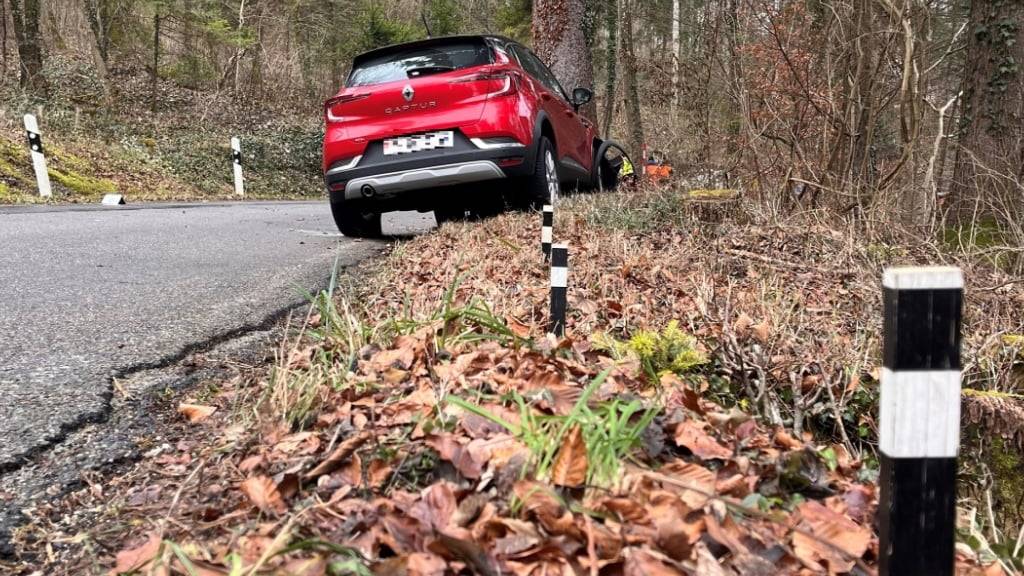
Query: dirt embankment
[[711, 411]]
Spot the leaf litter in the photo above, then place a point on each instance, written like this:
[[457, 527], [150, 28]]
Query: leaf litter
[[438, 430]]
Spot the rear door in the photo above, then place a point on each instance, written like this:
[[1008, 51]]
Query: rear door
[[570, 131], [413, 88]]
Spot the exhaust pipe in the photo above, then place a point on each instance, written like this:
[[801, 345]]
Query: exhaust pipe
[[368, 191]]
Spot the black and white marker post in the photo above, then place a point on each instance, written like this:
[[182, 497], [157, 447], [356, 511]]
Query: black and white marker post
[[559, 288], [236, 156], [919, 420], [35, 144], [547, 223]]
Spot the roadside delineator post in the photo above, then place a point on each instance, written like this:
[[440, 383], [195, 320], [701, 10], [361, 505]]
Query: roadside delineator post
[[35, 144], [559, 288], [236, 156], [919, 420], [547, 223]]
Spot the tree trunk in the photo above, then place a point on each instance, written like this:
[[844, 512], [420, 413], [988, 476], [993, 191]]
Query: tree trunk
[[239, 51], [25, 14], [559, 39], [98, 14], [675, 55], [611, 63], [3, 39], [991, 155], [155, 77], [634, 122]]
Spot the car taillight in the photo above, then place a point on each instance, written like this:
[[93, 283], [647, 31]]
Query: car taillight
[[498, 83], [333, 108]]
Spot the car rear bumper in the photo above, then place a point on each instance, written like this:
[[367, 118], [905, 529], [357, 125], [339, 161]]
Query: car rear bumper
[[390, 184], [375, 176]]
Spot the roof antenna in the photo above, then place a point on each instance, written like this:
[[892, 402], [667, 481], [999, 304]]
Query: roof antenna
[[423, 15]]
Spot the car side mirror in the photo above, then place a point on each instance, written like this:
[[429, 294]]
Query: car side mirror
[[580, 97]]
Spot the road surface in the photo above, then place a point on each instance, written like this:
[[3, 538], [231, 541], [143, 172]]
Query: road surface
[[89, 293]]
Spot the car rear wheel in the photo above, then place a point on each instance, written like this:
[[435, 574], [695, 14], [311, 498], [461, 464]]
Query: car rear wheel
[[355, 220], [607, 176], [543, 185]]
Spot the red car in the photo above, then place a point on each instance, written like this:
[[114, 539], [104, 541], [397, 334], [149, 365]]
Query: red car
[[460, 125]]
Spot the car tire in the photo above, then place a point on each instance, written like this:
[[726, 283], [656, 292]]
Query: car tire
[[542, 187], [355, 221], [607, 176]]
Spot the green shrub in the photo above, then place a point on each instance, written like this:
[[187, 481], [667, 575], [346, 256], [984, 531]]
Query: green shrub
[[670, 351]]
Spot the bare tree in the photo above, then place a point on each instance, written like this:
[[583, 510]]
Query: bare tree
[[611, 64], [25, 14], [634, 121]]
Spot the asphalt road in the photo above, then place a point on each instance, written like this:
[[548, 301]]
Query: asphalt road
[[88, 293]]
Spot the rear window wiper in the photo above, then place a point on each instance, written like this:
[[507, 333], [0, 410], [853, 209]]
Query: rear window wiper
[[427, 70]]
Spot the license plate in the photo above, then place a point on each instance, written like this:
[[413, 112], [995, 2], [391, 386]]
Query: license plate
[[418, 143]]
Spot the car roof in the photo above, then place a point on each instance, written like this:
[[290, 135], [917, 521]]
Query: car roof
[[427, 42]]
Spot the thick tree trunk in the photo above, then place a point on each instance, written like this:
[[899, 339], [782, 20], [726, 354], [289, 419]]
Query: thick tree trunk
[[97, 12], [611, 63], [559, 40], [991, 155], [634, 122], [25, 14]]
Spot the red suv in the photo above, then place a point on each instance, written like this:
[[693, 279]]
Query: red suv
[[459, 125]]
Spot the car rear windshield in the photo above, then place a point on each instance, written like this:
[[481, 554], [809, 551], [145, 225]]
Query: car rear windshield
[[419, 61]]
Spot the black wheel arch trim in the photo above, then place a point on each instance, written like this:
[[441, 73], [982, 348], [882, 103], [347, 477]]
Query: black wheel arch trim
[[599, 153], [538, 133]]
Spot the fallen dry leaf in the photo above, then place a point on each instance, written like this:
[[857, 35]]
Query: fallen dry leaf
[[426, 564], [338, 456], [691, 435], [263, 493], [570, 466], [832, 538], [196, 412], [137, 558]]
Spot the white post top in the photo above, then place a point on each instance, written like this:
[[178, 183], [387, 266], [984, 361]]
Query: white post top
[[236, 144], [559, 246], [548, 208], [31, 124], [923, 278]]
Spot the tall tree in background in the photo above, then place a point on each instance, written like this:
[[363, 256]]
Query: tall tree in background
[[559, 39], [611, 64], [675, 54], [25, 14], [992, 145], [634, 122], [444, 17]]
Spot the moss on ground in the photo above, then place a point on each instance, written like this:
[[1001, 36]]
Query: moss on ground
[[1008, 479], [80, 184]]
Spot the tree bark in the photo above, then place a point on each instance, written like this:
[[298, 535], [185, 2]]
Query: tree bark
[[155, 77], [98, 14], [559, 39], [634, 121], [611, 63], [675, 55], [991, 154], [25, 14]]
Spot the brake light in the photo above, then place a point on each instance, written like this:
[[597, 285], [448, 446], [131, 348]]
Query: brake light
[[498, 83], [333, 107]]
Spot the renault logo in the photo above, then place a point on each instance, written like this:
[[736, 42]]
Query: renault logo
[[408, 93]]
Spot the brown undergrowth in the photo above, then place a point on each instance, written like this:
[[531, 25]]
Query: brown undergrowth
[[711, 411]]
